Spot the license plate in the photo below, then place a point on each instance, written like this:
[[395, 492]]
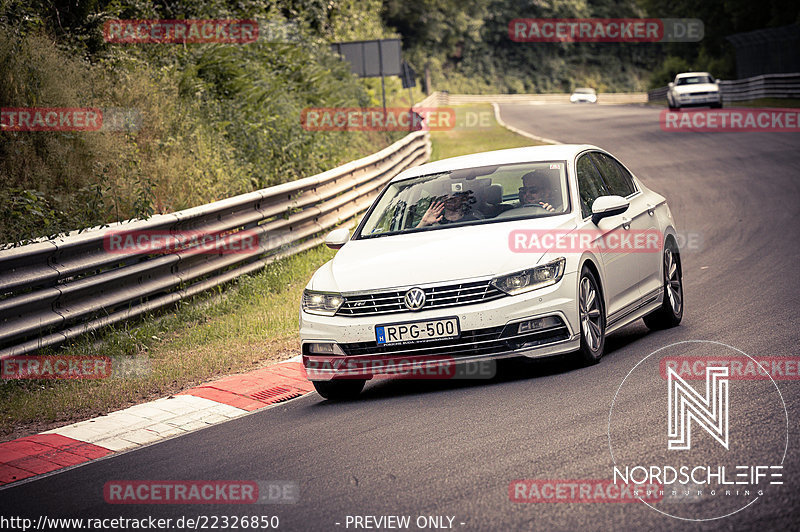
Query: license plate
[[417, 331]]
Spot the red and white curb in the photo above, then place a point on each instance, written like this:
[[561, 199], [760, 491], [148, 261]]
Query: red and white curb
[[192, 409]]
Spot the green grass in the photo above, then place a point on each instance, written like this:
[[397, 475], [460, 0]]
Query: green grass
[[463, 140], [251, 323]]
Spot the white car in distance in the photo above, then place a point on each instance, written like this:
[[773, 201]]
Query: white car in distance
[[694, 89], [437, 272], [584, 95]]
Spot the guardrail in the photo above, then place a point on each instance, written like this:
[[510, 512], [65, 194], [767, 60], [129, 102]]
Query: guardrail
[[658, 94], [603, 97], [54, 290], [764, 86]]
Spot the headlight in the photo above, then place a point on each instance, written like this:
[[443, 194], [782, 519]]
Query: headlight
[[324, 303], [527, 280]]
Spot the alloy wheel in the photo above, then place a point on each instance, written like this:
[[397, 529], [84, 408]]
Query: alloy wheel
[[673, 279], [591, 317]]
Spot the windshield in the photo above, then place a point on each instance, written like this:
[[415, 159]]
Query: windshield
[[470, 196], [584, 91], [694, 80]]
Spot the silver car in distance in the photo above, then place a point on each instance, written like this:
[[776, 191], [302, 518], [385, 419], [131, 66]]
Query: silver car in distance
[[533, 252]]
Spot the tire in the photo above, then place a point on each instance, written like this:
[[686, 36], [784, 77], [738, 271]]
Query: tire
[[670, 313], [672, 106], [716, 105], [339, 390], [592, 317]]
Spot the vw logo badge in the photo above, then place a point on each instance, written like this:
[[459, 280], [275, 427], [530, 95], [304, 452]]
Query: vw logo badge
[[415, 299]]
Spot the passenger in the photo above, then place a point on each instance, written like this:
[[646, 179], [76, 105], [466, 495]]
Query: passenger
[[455, 207]]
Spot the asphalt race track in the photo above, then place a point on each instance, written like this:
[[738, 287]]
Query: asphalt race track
[[451, 448]]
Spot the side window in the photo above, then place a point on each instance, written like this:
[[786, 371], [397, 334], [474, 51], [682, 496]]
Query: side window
[[590, 184], [619, 181]]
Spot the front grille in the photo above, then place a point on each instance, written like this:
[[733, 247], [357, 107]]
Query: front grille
[[476, 342], [435, 297], [699, 93]]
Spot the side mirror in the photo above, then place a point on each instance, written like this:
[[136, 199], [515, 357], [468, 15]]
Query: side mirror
[[337, 238], [670, 85], [606, 206]]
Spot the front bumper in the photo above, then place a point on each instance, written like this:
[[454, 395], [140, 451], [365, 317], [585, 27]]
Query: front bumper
[[700, 101], [489, 331]]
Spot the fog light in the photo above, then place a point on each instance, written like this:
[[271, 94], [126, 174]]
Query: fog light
[[325, 349], [538, 324]]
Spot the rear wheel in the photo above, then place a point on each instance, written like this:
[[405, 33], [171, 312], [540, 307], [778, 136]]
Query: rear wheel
[[339, 390], [592, 318], [670, 313]]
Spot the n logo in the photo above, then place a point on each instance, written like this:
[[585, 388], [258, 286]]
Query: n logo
[[709, 412]]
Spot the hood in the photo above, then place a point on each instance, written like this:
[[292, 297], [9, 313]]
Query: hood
[[434, 256], [700, 87]]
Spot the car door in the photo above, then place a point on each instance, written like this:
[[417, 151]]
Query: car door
[[621, 276], [641, 217]]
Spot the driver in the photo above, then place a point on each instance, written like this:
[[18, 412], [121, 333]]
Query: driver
[[536, 190]]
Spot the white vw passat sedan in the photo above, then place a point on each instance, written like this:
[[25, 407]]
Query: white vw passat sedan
[[531, 252]]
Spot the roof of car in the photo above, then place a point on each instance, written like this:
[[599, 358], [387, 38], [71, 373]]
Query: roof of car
[[553, 152], [690, 74]]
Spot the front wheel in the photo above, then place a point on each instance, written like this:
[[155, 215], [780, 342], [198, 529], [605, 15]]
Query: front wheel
[[670, 313], [339, 390], [592, 318], [672, 106]]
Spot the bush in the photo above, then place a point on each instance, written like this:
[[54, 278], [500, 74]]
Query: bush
[[216, 120], [671, 67]]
